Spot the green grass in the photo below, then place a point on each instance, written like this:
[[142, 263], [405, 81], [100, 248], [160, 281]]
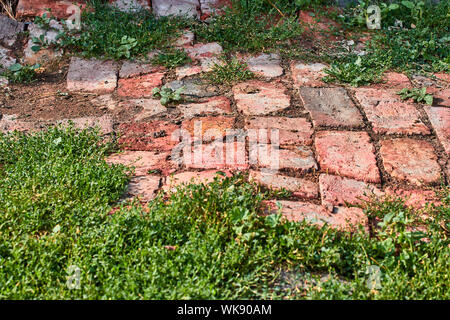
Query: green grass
[[171, 58], [229, 71], [202, 242], [110, 33], [421, 46]]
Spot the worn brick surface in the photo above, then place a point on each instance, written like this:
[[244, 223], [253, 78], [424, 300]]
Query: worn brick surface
[[214, 105], [217, 155], [149, 108], [291, 131], [410, 160], [308, 75], [195, 177], [266, 65], [204, 50], [140, 86], [347, 153], [186, 8], [330, 107], [143, 161], [131, 69], [441, 97], [9, 123], [59, 9], [338, 191], [388, 113], [300, 158], [299, 187], [81, 75], [260, 98], [344, 219], [415, 198], [208, 128], [187, 70], [155, 135], [440, 120], [186, 39]]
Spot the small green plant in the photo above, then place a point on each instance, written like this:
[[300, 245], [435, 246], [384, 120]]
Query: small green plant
[[18, 73], [167, 95], [44, 20], [418, 95], [171, 58], [39, 43], [229, 71]]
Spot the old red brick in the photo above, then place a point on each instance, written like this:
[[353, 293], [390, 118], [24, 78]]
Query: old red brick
[[144, 161], [344, 219], [144, 187], [388, 113], [59, 9], [194, 177], [156, 135], [140, 86], [410, 160], [217, 155], [440, 120], [330, 107], [300, 158], [208, 128], [260, 98], [338, 191], [214, 105], [347, 153], [308, 75], [414, 198], [299, 187]]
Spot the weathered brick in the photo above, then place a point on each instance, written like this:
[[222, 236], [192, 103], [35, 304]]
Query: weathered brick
[[338, 191], [194, 177], [410, 160], [299, 187], [204, 50], [144, 162], [344, 219], [140, 86], [388, 114], [186, 8], [59, 9], [214, 105], [330, 107], [150, 108], [104, 123], [208, 128], [156, 135], [187, 70], [291, 131], [131, 69], [266, 65], [440, 120], [347, 153], [260, 98], [217, 155], [92, 75], [308, 75], [300, 158], [417, 199]]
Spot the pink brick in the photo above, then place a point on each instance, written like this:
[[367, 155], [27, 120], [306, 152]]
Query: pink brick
[[347, 153], [134, 69], [260, 98], [217, 155], [441, 97], [388, 114], [308, 75], [291, 131], [417, 199], [92, 75], [440, 120], [9, 123], [299, 187], [299, 159], [208, 128], [194, 177], [143, 161], [144, 187], [330, 107], [214, 105], [187, 70], [204, 50], [338, 191], [410, 160], [344, 219], [156, 135], [140, 86]]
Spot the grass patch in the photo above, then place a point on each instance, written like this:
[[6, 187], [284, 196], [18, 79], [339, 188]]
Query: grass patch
[[110, 33], [413, 39], [171, 58], [202, 242], [18, 73], [229, 71]]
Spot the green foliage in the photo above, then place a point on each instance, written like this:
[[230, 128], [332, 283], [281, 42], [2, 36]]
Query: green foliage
[[167, 95], [110, 33], [171, 58], [199, 242], [241, 30], [418, 95], [229, 71], [421, 45], [18, 73]]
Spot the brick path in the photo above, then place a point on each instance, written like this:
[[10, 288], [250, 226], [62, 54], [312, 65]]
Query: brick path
[[338, 145]]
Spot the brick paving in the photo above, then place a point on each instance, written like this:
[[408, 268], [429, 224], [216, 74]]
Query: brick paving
[[333, 147]]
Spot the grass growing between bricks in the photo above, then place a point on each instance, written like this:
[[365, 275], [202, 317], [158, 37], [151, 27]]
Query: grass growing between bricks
[[201, 242]]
